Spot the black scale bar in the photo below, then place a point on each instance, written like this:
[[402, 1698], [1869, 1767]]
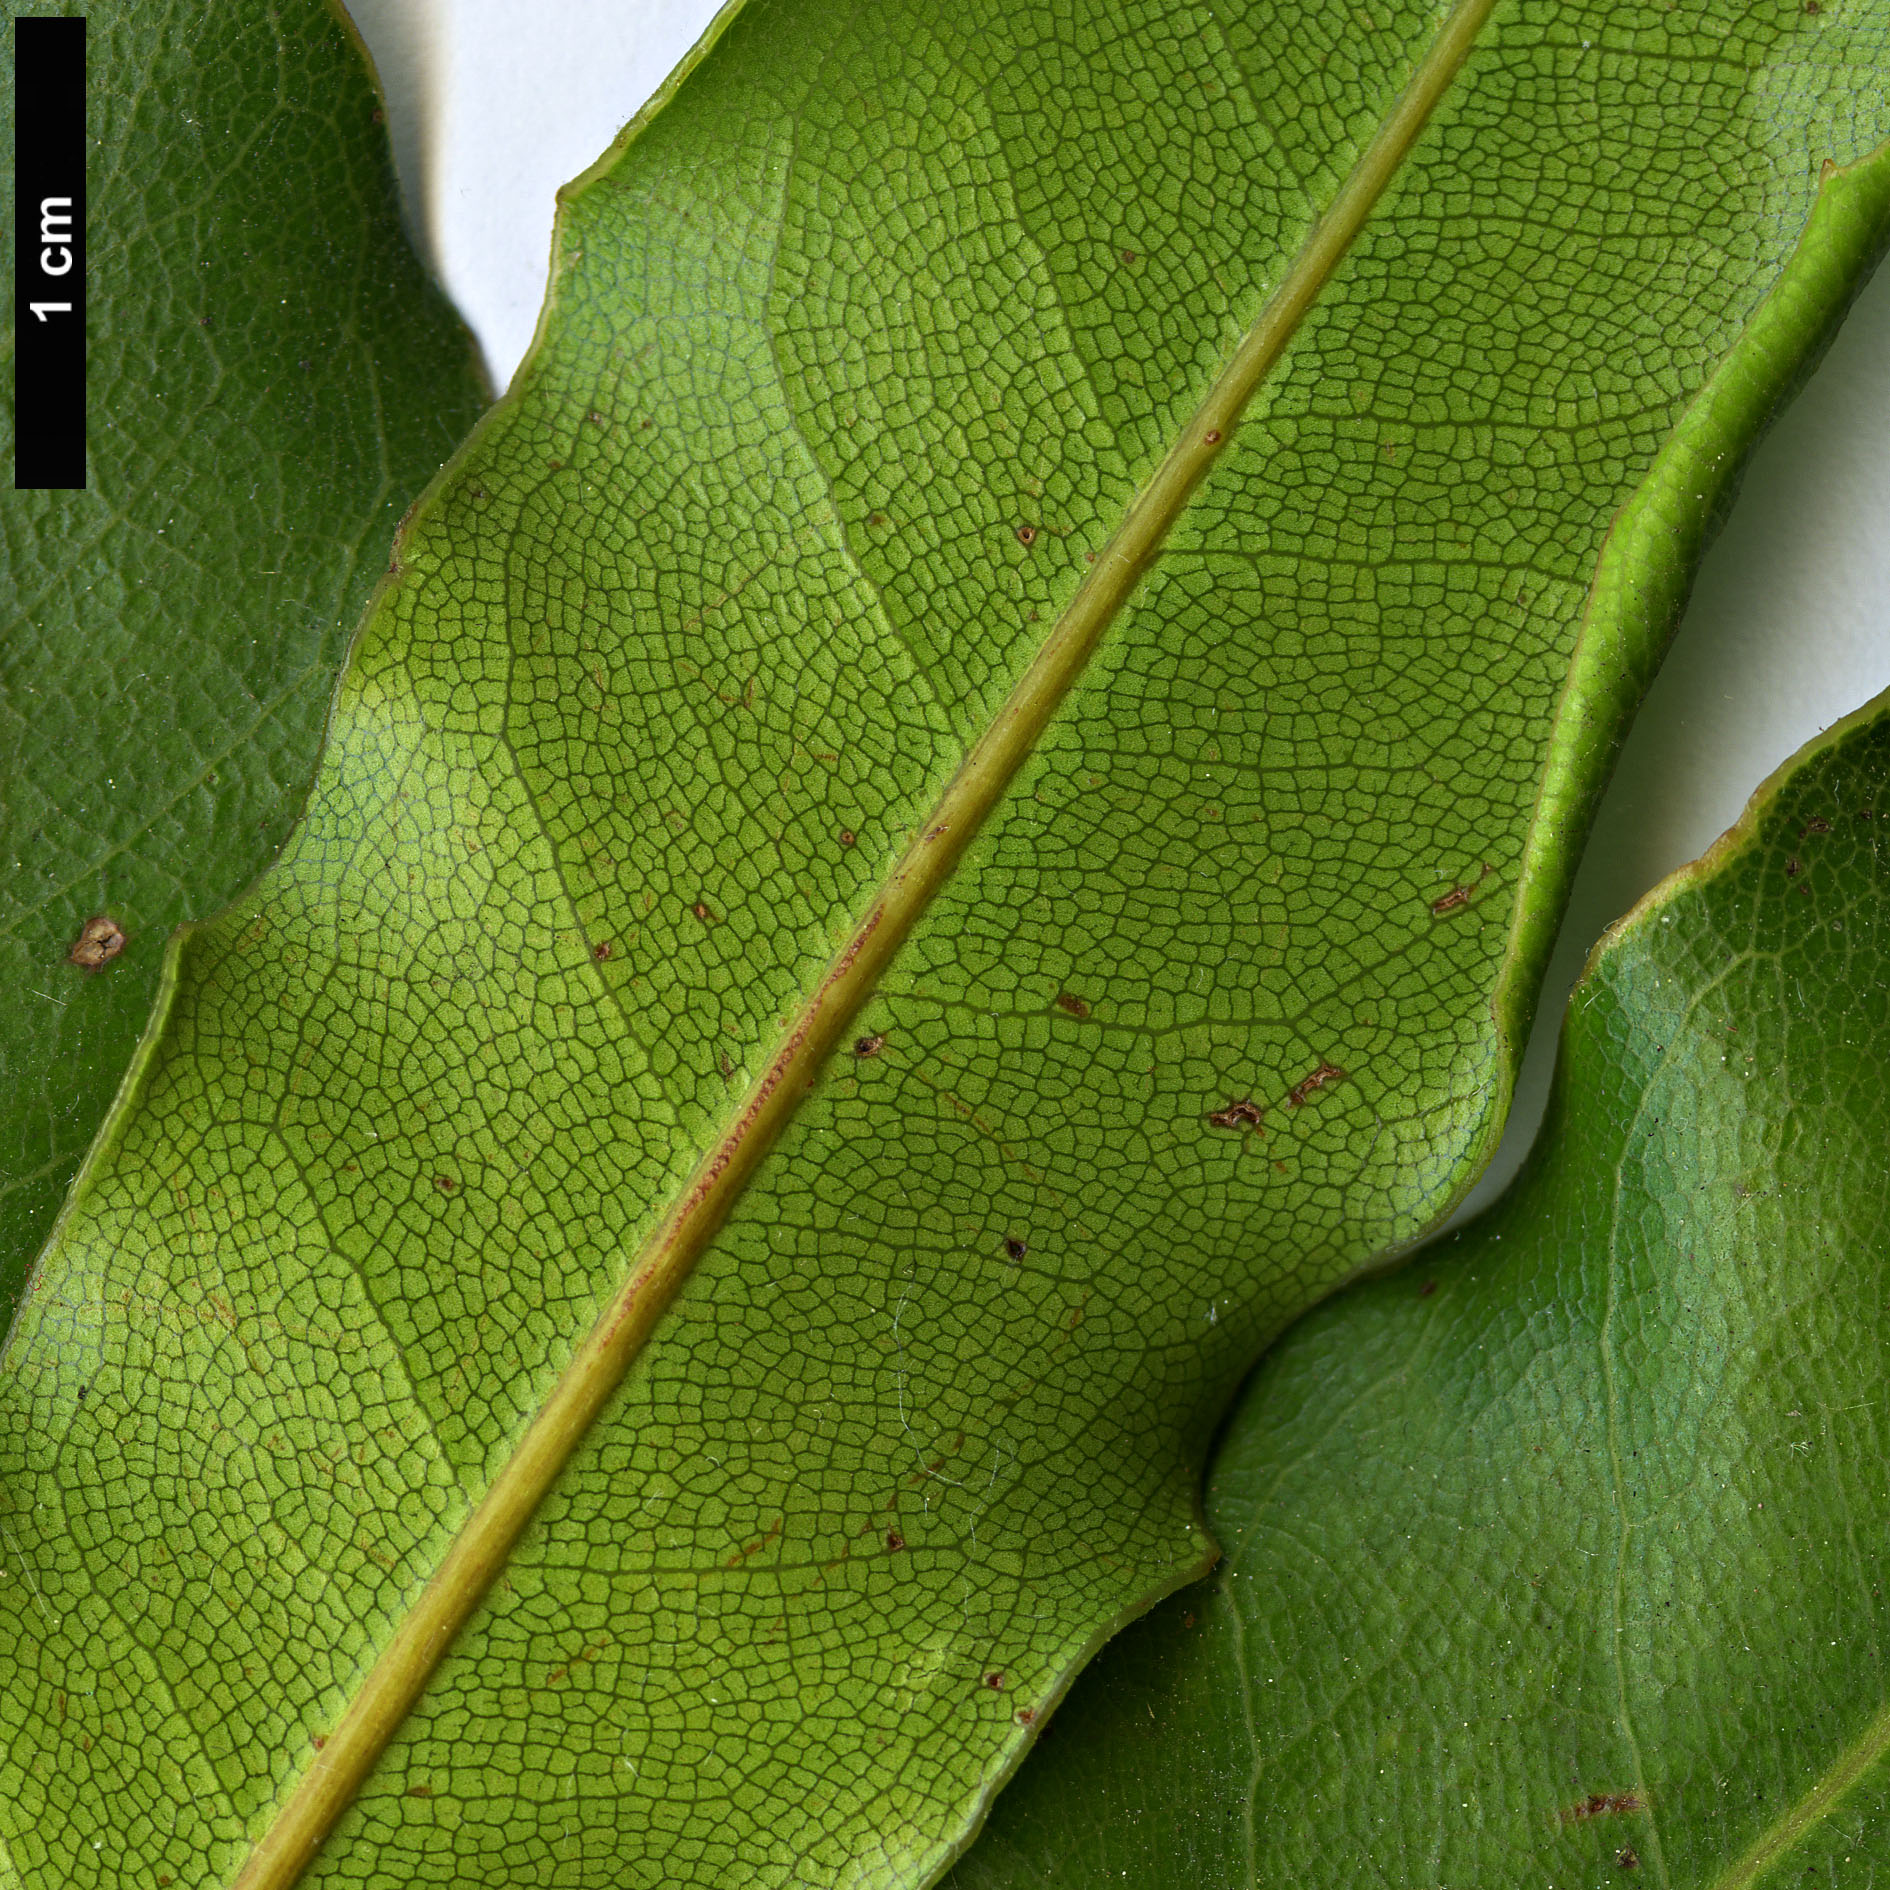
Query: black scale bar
[[49, 255]]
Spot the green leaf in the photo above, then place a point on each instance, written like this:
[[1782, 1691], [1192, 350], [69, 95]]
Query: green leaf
[[1050, 575], [271, 381], [1560, 1555]]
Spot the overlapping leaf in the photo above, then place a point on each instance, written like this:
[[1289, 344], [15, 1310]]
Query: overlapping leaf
[[1560, 1557], [861, 353], [271, 381]]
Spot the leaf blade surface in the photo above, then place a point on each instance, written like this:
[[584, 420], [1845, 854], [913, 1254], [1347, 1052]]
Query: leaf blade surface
[[1560, 1559], [681, 690], [272, 380]]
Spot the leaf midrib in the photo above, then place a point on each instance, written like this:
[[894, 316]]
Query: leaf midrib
[[485, 1540]]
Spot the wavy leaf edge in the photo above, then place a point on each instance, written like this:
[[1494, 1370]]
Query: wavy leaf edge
[[1623, 631]]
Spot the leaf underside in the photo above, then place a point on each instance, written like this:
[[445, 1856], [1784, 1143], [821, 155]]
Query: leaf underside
[[271, 381], [860, 350], [1565, 1548]]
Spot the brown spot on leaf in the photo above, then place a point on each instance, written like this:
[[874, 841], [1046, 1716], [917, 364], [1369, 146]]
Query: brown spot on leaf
[[1602, 1805], [445, 1183], [1128, 255], [100, 940], [1427, 1289], [1321, 1078], [1816, 824], [601, 950], [1187, 1620], [1016, 1248], [848, 837], [318, 1740], [1068, 1001], [1625, 1857], [1026, 534], [1213, 436], [419, 1791], [1026, 1716], [995, 1681], [1244, 1114], [1459, 896], [595, 418], [1793, 867], [701, 910], [869, 1046], [895, 1541]]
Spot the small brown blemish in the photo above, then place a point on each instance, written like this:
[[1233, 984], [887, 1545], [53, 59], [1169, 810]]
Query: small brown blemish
[[848, 837], [1427, 1289], [895, 1541], [869, 1046], [445, 1183], [1026, 534], [701, 910], [1016, 1248], [100, 940], [556, 465], [595, 418], [1459, 896], [1212, 436], [1816, 824], [1793, 867], [1187, 1620], [1128, 255], [725, 1063], [601, 950], [876, 519], [643, 425], [419, 1791], [995, 1681], [1244, 1114], [1026, 1716], [1625, 1858], [1067, 1001], [1812, 6], [1321, 1078], [1602, 1805]]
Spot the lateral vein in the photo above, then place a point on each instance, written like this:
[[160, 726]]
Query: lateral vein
[[1786, 1830]]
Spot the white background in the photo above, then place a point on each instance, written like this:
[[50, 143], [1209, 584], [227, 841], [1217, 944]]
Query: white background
[[494, 103]]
